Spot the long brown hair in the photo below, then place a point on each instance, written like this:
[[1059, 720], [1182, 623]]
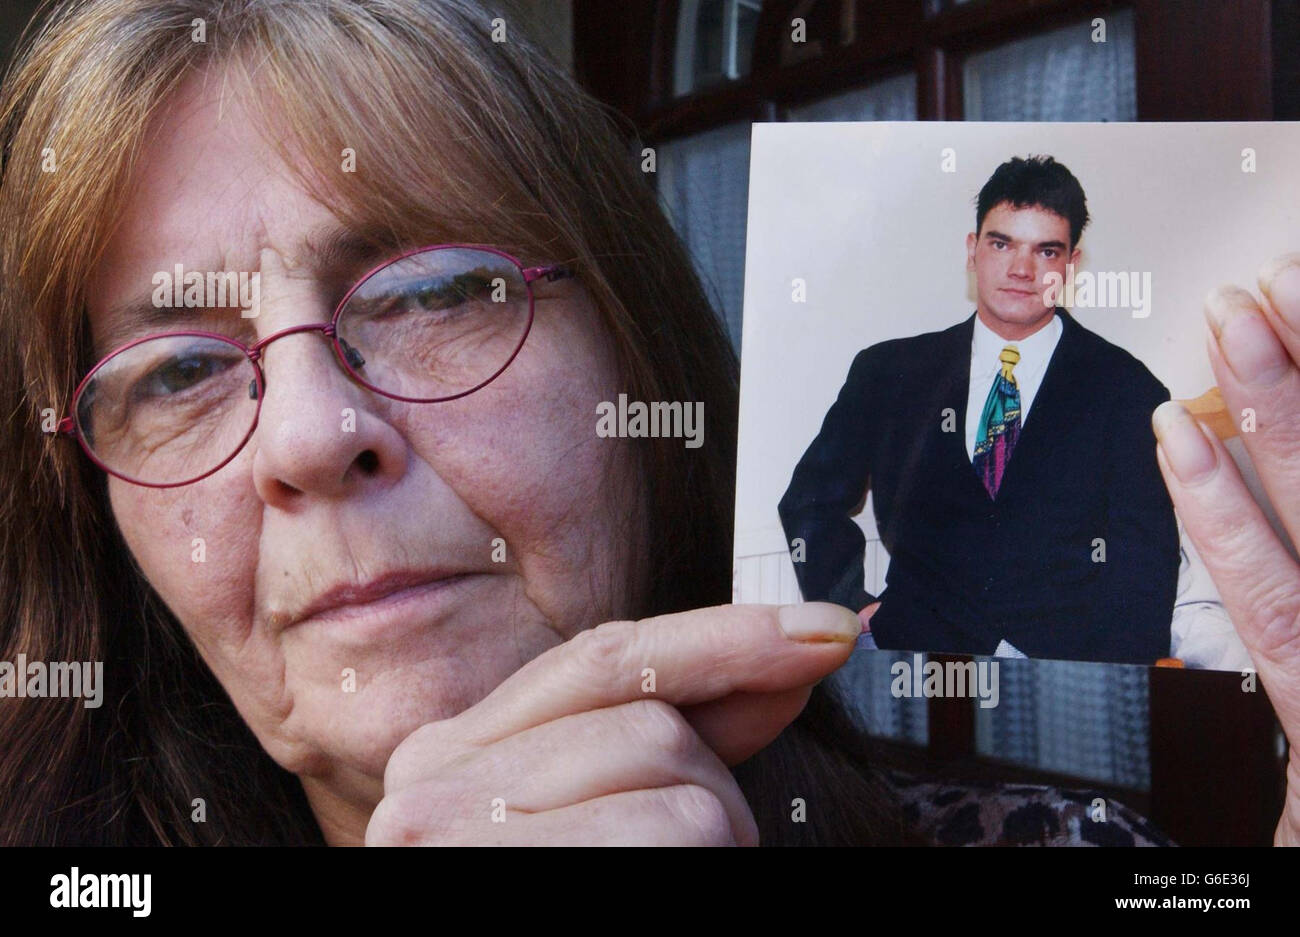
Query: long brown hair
[[537, 167]]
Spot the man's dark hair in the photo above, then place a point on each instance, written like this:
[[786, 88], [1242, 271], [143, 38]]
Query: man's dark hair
[[1039, 181]]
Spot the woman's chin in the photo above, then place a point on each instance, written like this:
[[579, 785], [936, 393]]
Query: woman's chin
[[356, 732], [353, 709]]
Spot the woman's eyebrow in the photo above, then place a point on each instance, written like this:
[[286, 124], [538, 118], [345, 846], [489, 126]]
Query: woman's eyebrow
[[139, 317], [342, 252], [335, 248]]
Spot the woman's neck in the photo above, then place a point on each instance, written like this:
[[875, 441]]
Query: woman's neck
[[342, 816]]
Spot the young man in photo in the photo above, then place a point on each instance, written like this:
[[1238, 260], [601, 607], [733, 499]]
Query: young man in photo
[[1011, 461]]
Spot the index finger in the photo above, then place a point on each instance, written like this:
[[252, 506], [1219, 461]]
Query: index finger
[[683, 658]]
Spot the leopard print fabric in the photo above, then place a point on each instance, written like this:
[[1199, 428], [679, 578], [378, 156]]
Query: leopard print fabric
[[988, 814]]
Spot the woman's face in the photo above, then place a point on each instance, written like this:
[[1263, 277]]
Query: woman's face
[[312, 509]]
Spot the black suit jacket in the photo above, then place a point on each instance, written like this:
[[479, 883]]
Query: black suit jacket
[[966, 570]]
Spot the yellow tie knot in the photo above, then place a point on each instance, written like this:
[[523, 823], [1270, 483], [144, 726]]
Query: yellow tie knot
[[1009, 357]]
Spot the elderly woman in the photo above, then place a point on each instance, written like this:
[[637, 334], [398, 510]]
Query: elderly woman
[[307, 312]]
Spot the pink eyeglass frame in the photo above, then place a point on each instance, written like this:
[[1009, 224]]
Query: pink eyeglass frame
[[68, 425]]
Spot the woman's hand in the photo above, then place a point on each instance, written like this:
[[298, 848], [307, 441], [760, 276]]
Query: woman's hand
[[1254, 349], [622, 735]]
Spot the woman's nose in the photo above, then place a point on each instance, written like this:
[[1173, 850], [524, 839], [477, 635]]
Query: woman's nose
[[319, 432]]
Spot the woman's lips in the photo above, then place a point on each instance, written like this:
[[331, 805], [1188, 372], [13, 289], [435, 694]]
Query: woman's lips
[[380, 598]]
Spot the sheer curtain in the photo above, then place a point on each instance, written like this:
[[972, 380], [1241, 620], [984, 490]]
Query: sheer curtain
[[891, 99], [704, 187], [863, 685], [1059, 75], [1081, 719]]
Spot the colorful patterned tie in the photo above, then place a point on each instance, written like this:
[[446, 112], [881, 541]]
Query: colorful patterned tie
[[999, 427]]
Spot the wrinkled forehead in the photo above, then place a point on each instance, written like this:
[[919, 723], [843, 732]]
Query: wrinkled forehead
[[234, 177], [209, 191], [212, 193]]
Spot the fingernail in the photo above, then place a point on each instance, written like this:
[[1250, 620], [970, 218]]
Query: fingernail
[[1280, 282], [1183, 442], [1224, 303], [1248, 343], [819, 621]]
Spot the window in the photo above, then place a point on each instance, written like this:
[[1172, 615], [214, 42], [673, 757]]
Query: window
[[715, 42], [864, 684], [1065, 74], [1079, 719], [704, 187], [892, 99]]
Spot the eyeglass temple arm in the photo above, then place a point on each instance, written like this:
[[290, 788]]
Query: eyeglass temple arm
[[64, 428], [550, 273]]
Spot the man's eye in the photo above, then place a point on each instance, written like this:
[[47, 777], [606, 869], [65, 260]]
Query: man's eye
[[1049, 252]]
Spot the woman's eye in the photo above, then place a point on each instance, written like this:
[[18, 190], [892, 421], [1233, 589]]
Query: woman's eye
[[180, 374], [432, 296], [446, 293]]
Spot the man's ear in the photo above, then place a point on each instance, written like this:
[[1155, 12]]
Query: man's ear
[[1074, 257], [971, 240]]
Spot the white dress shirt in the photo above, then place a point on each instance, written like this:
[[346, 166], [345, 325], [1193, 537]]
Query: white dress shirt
[[985, 346]]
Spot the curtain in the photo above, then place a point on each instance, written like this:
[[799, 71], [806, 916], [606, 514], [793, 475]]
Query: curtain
[[1082, 719], [704, 187], [1059, 75]]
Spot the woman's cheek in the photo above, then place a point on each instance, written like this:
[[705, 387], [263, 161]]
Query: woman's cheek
[[197, 547], [525, 457]]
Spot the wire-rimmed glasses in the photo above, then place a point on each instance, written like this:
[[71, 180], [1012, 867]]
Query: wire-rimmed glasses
[[434, 324]]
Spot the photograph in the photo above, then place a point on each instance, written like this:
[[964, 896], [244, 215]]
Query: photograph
[[955, 340]]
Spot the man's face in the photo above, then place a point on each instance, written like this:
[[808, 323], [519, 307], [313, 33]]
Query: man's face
[[1012, 255]]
